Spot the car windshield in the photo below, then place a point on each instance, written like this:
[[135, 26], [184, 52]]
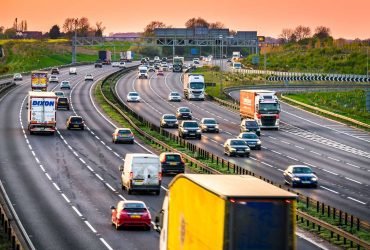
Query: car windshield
[[209, 121], [89, 75], [76, 119], [143, 71], [124, 132], [63, 99], [53, 77], [65, 83], [269, 107], [197, 85], [302, 170], [59, 93], [133, 94], [175, 94], [173, 158], [191, 124], [184, 110], [250, 136], [251, 124], [134, 207], [237, 143], [172, 117]]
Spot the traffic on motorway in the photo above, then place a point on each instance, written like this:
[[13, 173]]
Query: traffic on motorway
[[95, 165]]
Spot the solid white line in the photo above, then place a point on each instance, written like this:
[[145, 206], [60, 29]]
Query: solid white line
[[77, 212], [352, 165], [110, 187], [56, 186], [99, 177], [329, 172], [352, 180], [335, 192], [106, 244], [333, 158], [91, 227], [164, 188], [363, 203], [65, 197]]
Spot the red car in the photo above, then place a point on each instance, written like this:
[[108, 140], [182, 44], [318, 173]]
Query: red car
[[131, 213], [160, 72]]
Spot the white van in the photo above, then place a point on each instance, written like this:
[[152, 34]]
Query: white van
[[237, 65], [73, 71], [141, 172], [143, 72]]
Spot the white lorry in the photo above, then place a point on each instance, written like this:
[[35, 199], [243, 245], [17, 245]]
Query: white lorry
[[194, 86], [126, 56], [236, 56], [143, 72], [42, 112]]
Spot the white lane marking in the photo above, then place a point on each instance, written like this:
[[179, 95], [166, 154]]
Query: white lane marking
[[352, 180], [116, 154], [285, 142], [110, 187], [82, 160], [334, 159], [97, 175], [164, 188], [42, 168], [272, 137], [123, 198], [315, 152], [280, 170], [65, 197], [309, 164], [109, 148], [330, 172], [106, 244], [56, 186], [91, 227], [292, 158], [264, 163], [298, 147], [48, 176], [77, 212], [352, 165], [37, 160], [363, 203], [331, 190], [74, 152], [276, 152], [92, 170]]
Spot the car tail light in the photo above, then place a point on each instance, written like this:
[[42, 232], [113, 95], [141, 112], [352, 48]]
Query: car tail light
[[160, 176], [259, 116], [277, 116]]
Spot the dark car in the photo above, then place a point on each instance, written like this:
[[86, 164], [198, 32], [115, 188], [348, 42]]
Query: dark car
[[184, 113], [300, 175], [169, 121], [75, 122], [172, 163], [98, 64], [55, 71], [131, 213], [251, 139], [62, 103], [209, 125], [249, 125], [234, 147], [189, 129], [123, 135]]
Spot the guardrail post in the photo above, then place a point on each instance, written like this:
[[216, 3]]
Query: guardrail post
[[358, 224], [317, 206], [345, 218], [351, 222], [307, 202], [334, 211], [340, 217], [329, 211], [322, 209]]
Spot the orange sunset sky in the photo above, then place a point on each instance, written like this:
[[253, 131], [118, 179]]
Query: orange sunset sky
[[346, 18]]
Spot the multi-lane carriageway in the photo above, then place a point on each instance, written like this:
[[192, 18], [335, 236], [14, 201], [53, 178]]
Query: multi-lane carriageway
[[62, 186]]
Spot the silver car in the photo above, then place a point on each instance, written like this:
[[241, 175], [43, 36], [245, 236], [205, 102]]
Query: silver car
[[169, 121], [209, 125], [174, 97], [251, 139], [133, 97], [234, 147], [17, 77], [123, 135]]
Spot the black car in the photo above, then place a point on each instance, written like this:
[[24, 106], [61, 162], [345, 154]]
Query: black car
[[55, 71], [184, 113], [98, 64], [75, 122], [172, 163], [300, 175], [249, 125], [189, 129], [62, 103]]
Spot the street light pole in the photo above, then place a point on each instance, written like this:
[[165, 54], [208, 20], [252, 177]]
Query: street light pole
[[221, 52]]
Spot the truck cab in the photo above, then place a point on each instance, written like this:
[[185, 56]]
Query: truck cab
[[143, 72], [194, 86]]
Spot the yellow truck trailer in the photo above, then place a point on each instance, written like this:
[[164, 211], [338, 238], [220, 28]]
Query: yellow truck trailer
[[226, 212]]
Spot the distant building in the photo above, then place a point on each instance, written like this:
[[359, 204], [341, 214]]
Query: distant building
[[30, 34], [128, 35]]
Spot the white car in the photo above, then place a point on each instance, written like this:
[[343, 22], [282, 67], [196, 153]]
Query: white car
[[174, 97], [89, 77], [122, 65], [73, 71], [65, 85], [115, 64], [53, 78], [17, 77], [133, 97]]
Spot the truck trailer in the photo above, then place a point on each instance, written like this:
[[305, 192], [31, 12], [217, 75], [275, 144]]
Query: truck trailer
[[126, 56], [105, 56], [194, 86], [39, 80], [262, 106], [226, 212], [42, 112]]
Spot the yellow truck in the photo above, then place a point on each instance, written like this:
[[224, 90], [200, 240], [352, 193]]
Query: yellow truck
[[226, 212], [39, 80]]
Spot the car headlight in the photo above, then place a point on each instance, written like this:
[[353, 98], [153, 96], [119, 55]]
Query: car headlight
[[216, 126], [185, 130], [198, 131], [232, 149], [177, 122], [296, 179], [314, 179], [258, 142]]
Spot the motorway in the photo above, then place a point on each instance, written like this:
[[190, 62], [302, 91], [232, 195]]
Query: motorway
[[62, 186]]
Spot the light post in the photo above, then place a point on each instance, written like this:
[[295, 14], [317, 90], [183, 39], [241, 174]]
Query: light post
[[367, 63], [221, 52]]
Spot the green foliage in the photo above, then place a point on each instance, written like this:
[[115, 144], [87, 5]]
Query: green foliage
[[314, 55], [350, 103]]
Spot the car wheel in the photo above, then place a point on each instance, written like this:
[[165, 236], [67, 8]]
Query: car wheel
[[68, 128], [246, 155], [132, 142], [129, 191], [117, 227], [148, 228], [31, 132], [82, 128], [200, 137]]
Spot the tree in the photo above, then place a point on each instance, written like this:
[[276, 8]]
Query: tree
[[99, 29], [196, 22], [216, 25], [302, 32], [54, 32], [83, 26], [2, 29], [149, 29], [287, 35], [70, 25], [322, 32], [10, 33]]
